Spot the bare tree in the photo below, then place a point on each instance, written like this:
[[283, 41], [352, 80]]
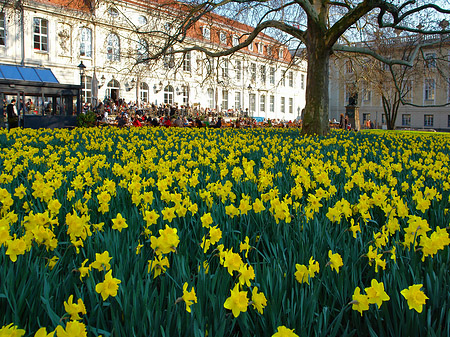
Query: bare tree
[[392, 83], [323, 27]]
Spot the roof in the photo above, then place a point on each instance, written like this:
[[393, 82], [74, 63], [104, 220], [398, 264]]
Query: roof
[[12, 72], [80, 5]]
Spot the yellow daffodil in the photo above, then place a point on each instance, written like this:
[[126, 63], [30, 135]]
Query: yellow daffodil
[[119, 223], [258, 301], [108, 287], [282, 331], [335, 261], [415, 297], [359, 301], [237, 302], [189, 297]]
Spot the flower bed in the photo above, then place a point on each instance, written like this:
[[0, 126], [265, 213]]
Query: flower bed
[[189, 232]]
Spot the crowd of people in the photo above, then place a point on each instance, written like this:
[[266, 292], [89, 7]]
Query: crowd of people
[[130, 114]]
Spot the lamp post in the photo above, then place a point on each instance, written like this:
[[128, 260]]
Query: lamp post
[[82, 68]]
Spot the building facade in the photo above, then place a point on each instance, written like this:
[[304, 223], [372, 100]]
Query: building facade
[[259, 80], [424, 88]]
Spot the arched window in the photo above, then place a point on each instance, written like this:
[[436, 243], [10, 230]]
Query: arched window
[[142, 20], [86, 89], [113, 12], [168, 94], [86, 42], [113, 47], [142, 50], [113, 90], [143, 91]]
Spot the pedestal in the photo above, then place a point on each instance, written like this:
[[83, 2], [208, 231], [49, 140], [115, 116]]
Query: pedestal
[[352, 112]]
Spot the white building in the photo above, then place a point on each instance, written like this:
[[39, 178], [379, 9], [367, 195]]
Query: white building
[[107, 41]]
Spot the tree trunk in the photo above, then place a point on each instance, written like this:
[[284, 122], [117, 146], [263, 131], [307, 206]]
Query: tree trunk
[[315, 116]]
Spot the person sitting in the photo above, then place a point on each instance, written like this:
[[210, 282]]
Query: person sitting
[[136, 121], [122, 121], [167, 122], [218, 124]]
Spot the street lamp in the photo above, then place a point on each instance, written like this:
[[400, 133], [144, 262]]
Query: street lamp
[[82, 68]]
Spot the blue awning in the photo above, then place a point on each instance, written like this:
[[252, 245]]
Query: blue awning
[[10, 72]]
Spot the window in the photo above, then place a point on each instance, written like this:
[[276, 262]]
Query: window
[[429, 89], [206, 32], [142, 50], [407, 93], [366, 117], [223, 38], [448, 90], [406, 120], [225, 68], [384, 66], [169, 59], [291, 105], [430, 60], [143, 92], [281, 53], [40, 34], [250, 46], [263, 74], [187, 61], [224, 99], [113, 12], [291, 79], [2, 29], [262, 103], [366, 93], [302, 81], [260, 48], [142, 20], [272, 103], [210, 98], [112, 47], [283, 78], [237, 100], [113, 90], [283, 105], [272, 75], [86, 42], [86, 89], [428, 120], [168, 94], [252, 103], [235, 40], [253, 72], [383, 119], [237, 69], [185, 94], [168, 27], [269, 51]]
